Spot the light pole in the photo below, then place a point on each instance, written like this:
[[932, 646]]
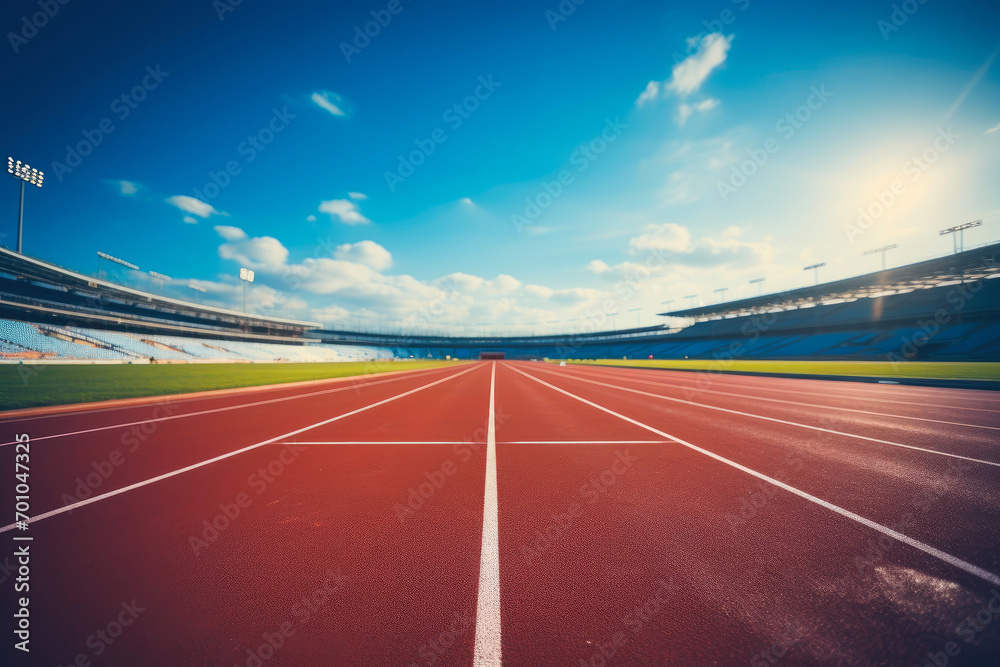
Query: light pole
[[637, 316], [202, 290], [246, 275], [25, 174], [116, 260], [958, 242], [884, 249], [158, 280], [612, 316], [760, 284], [722, 291], [816, 268], [692, 297]]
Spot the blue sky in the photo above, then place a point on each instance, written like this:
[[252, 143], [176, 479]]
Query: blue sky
[[526, 164]]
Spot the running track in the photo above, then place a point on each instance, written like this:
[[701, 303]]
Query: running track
[[537, 514]]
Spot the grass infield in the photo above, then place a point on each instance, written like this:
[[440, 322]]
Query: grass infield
[[33, 385], [938, 370]]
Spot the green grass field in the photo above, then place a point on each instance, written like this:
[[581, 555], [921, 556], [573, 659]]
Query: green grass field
[[32, 385], [914, 369]]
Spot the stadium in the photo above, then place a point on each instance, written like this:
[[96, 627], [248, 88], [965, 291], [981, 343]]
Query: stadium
[[518, 334]]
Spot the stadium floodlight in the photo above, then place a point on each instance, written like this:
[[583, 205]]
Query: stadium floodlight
[[692, 297], [722, 291], [637, 316], [760, 284], [816, 268], [612, 316], [159, 279], [884, 249], [958, 242], [25, 174], [246, 275]]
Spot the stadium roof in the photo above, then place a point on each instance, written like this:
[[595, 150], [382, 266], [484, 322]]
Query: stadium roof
[[34, 269], [973, 264]]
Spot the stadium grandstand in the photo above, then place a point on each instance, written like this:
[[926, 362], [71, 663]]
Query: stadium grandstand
[[51, 313], [946, 308]]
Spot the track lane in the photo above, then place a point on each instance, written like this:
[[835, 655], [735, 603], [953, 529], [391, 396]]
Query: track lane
[[736, 594], [941, 501], [755, 583], [411, 577]]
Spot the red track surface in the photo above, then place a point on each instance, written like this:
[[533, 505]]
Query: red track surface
[[614, 535]]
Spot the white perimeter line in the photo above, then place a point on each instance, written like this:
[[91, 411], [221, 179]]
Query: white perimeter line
[[166, 400], [807, 405], [985, 575], [487, 651], [776, 420], [153, 480]]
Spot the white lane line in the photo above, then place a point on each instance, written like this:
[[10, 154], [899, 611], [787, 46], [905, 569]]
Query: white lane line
[[778, 421], [717, 378], [583, 442], [955, 561], [806, 405], [166, 401], [383, 442], [487, 651], [194, 466]]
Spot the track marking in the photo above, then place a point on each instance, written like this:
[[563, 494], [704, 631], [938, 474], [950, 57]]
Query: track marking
[[203, 412], [778, 421], [274, 440], [583, 442], [876, 395], [382, 442], [955, 561], [487, 649], [807, 405]]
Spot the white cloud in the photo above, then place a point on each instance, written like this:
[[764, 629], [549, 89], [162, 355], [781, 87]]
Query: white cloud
[[330, 101], [684, 110], [311, 218], [688, 75], [467, 201], [995, 128], [368, 253], [191, 221], [128, 187], [230, 233], [651, 92], [345, 209], [357, 195], [194, 206], [263, 253]]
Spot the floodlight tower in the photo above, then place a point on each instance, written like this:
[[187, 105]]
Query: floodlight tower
[[25, 174], [760, 284], [816, 268], [958, 242], [246, 275], [692, 297], [637, 316], [722, 291], [884, 249]]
